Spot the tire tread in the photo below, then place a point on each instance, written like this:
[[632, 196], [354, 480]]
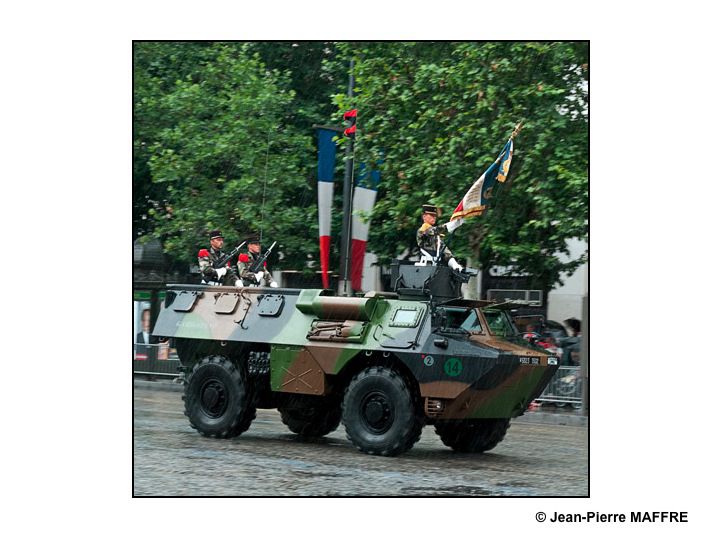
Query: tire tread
[[412, 430], [241, 422]]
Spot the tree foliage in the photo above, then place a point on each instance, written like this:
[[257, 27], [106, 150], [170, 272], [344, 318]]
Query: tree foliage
[[313, 75], [212, 137], [439, 113]]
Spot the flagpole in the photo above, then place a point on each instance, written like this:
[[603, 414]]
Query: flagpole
[[517, 129], [347, 203]]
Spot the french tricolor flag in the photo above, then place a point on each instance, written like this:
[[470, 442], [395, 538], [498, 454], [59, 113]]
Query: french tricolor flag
[[326, 168], [363, 202]]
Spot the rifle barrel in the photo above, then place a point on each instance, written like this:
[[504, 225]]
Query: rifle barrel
[[226, 259]]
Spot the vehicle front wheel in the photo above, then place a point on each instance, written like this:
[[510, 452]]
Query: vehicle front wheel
[[218, 400], [380, 412], [472, 435]]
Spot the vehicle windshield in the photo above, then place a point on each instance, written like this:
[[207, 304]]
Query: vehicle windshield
[[500, 324], [462, 320]]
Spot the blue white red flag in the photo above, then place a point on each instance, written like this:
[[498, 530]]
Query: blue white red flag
[[476, 199], [363, 202], [326, 168]]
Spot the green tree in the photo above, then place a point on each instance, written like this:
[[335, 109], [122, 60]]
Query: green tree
[[439, 113], [156, 68], [212, 136], [313, 75]]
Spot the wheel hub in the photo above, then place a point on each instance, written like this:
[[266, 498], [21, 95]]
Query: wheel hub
[[213, 398], [377, 412], [374, 412]]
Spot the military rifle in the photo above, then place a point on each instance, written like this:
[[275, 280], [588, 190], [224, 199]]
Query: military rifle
[[220, 263], [258, 264]]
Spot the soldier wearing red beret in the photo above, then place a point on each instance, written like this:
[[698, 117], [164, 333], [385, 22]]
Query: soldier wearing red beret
[[245, 261]]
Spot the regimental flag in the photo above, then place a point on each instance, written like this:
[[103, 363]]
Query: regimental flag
[[476, 199], [363, 202], [326, 168]]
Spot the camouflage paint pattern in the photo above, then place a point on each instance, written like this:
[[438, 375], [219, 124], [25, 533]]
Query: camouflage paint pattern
[[311, 336]]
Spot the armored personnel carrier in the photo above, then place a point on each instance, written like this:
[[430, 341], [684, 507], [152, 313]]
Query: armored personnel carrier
[[385, 364]]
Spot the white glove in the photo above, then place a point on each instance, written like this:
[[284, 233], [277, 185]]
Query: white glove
[[221, 272], [452, 263], [454, 224], [273, 284], [239, 283], [259, 277]]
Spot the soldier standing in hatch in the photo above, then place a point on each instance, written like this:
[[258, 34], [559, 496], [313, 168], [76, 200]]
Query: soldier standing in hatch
[[262, 277], [207, 259], [428, 235]]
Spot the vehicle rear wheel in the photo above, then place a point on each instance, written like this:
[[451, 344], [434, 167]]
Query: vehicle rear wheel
[[472, 435], [312, 421], [380, 412], [217, 398]]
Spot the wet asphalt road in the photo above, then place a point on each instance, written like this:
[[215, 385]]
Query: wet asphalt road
[[172, 459]]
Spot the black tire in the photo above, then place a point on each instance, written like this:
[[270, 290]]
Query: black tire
[[312, 421], [472, 435], [380, 413], [217, 398]]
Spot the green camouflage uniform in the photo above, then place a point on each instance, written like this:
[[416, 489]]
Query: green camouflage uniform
[[206, 261], [245, 261]]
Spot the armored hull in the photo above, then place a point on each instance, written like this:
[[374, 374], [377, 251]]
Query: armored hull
[[386, 363]]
